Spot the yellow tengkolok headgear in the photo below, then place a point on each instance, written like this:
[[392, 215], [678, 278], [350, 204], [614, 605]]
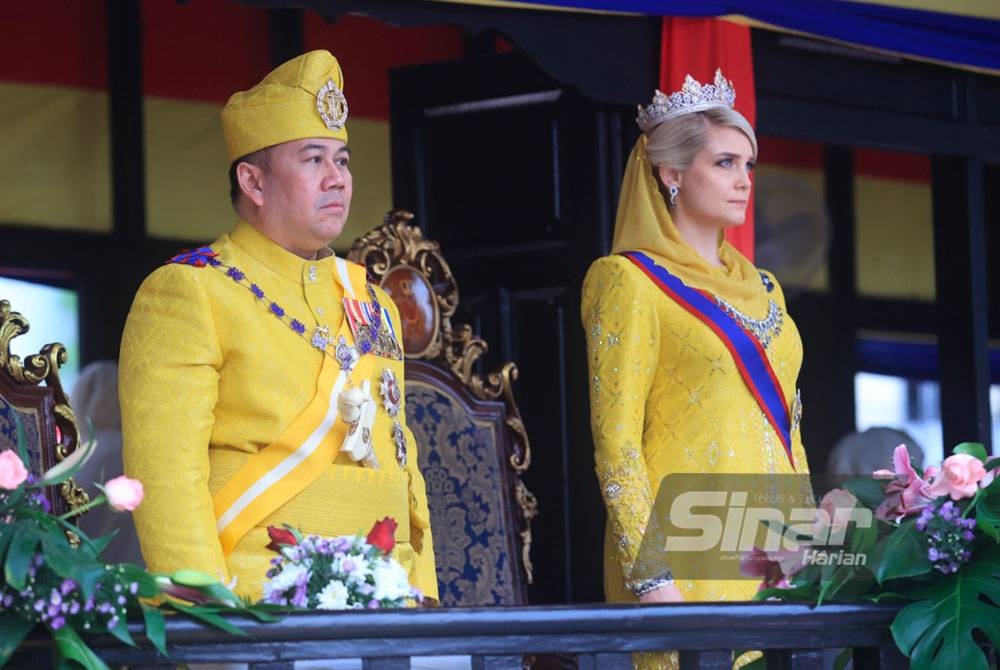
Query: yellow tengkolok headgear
[[301, 98]]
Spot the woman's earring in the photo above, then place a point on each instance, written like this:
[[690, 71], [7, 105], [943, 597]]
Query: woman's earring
[[673, 190]]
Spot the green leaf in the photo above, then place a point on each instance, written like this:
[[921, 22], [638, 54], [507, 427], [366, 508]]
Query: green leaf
[[6, 533], [13, 629], [68, 466], [210, 616], [62, 558], [120, 631], [938, 630], [864, 538], [848, 583], [869, 492], [19, 555], [156, 629], [72, 648], [148, 588], [974, 449], [902, 554], [88, 578], [988, 513]]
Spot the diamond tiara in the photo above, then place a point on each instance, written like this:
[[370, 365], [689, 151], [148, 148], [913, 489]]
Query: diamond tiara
[[693, 97]]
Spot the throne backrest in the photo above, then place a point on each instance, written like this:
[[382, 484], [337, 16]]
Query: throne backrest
[[32, 392], [472, 445]]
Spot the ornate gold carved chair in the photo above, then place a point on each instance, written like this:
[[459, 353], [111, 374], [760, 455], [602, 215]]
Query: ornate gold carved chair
[[43, 409], [472, 444]]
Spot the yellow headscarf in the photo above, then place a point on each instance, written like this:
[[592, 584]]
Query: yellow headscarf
[[644, 224]]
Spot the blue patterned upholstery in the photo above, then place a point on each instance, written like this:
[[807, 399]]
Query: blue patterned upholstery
[[472, 445], [32, 432], [458, 457]]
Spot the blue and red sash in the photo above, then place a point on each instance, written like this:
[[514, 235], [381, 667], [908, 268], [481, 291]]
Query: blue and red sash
[[747, 352]]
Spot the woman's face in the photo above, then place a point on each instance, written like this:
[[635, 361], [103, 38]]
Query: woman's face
[[715, 190]]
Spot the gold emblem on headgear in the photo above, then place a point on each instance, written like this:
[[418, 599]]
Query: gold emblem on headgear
[[332, 105]]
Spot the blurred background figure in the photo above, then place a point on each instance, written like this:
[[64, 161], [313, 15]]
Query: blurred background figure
[[95, 403], [861, 453]]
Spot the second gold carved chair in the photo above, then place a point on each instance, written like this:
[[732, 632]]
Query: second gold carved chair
[[473, 449], [31, 394]]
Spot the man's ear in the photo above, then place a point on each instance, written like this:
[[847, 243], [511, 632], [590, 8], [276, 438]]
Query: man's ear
[[250, 177], [669, 176]]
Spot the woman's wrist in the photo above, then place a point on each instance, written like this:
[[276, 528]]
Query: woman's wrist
[[649, 585]]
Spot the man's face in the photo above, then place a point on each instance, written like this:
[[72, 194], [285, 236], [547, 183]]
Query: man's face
[[306, 188]]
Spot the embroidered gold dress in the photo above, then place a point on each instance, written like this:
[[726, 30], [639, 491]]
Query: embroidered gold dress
[[666, 395], [209, 376]]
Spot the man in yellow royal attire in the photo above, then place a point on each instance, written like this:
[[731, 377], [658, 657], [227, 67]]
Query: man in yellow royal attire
[[261, 376]]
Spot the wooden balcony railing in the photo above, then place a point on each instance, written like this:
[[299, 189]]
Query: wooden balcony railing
[[599, 636]]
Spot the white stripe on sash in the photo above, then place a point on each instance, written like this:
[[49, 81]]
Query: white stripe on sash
[[290, 462], [345, 276]]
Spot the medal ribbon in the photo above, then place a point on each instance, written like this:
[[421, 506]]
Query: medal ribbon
[[747, 352]]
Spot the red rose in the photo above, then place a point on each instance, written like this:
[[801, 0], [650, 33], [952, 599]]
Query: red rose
[[280, 537], [382, 534]]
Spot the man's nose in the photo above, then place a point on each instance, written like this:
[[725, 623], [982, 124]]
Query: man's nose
[[334, 177]]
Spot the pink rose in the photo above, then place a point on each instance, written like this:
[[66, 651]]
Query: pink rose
[[12, 470], [828, 522], [959, 477], [124, 494]]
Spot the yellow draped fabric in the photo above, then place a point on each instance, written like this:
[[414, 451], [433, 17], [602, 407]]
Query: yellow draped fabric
[[666, 396], [209, 376]]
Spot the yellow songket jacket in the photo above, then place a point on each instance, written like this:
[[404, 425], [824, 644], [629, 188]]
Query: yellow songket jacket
[[210, 377], [666, 394]]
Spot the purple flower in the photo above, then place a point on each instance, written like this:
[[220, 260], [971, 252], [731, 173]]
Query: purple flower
[[949, 535], [235, 274], [298, 326], [277, 310], [256, 290]]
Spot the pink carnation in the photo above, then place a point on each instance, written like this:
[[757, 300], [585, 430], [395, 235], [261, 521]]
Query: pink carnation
[[12, 470], [959, 477], [124, 494]]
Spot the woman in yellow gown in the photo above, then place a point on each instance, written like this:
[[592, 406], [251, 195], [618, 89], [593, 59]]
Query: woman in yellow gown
[[667, 395]]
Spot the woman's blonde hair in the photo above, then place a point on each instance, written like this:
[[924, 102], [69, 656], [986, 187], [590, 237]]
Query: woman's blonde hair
[[675, 142]]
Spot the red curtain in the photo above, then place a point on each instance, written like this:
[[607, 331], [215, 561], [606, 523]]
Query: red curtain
[[697, 47]]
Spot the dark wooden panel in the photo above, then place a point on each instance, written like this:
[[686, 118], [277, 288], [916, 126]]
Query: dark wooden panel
[[128, 185], [960, 276]]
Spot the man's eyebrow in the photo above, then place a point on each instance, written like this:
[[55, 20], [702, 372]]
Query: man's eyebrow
[[344, 150]]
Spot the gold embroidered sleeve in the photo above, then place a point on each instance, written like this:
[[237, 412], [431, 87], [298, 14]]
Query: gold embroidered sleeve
[[622, 349], [168, 389]]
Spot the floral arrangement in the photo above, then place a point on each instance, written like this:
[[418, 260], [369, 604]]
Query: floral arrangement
[[346, 572], [53, 576], [930, 539]]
